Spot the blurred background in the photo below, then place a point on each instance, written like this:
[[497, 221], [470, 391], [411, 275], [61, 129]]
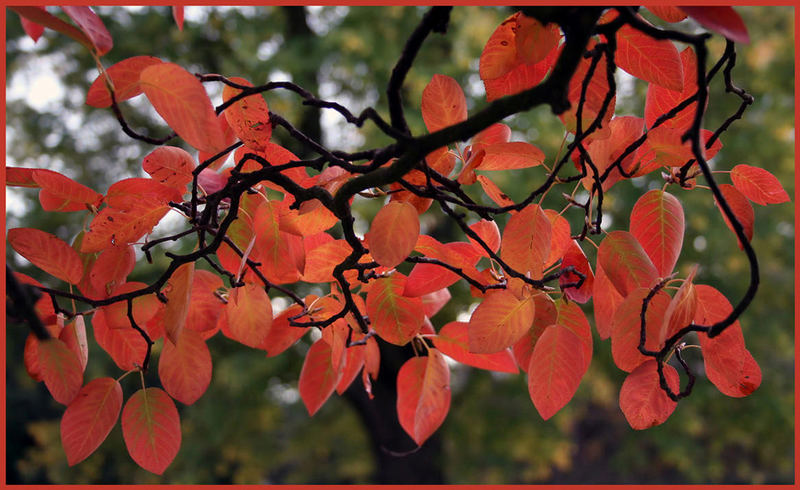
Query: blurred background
[[250, 426]]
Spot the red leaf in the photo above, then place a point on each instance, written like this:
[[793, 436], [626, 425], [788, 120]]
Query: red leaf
[[556, 368], [114, 226], [41, 16], [47, 252], [393, 233], [453, 341], [423, 395], [182, 101], [443, 103], [170, 165], [641, 398], [281, 254], [74, 337], [560, 238], [88, 420], [512, 155], [248, 117], [728, 363], [627, 326], [395, 318], [124, 76], [31, 28], [319, 376], [742, 210], [546, 315], [653, 60], [23, 177], [623, 130], [758, 185], [249, 314], [321, 260], [681, 309], [575, 257], [91, 25], [205, 307], [526, 241], [145, 307], [495, 194], [112, 268], [433, 302], [177, 14], [661, 100], [723, 20], [60, 193], [535, 41], [571, 317], [667, 13], [496, 133], [499, 55], [281, 334], [354, 361], [178, 292], [596, 92], [521, 77], [60, 370], [499, 321], [185, 368], [489, 233], [657, 223], [151, 429], [664, 148], [625, 262], [125, 345]]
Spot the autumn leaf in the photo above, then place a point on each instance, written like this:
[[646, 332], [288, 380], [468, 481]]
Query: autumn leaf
[[124, 77], [395, 318], [151, 429], [499, 321], [47, 252], [170, 165], [423, 395], [721, 19], [179, 294], [248, 117], [575, 257], [88, 420], [627, 326], [319, 376], [625, 262], [60, 370], [184, 368], [742, 211], [657, 223], [393, 233], [653, 60], [526, 241], [249, 314], [91, 25], [556, 368], [453, 341], [758, 185], [641, 398]]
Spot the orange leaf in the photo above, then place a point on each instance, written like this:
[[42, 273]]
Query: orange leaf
[[499, 321], [535, 41], [124, 76], [571, 317], [120, 227], [125, 345], [248, 117], [321, 261], [185, 368], [182, 101], [657, 223], [526, 241], [560, 237], [319, 376], [249, 314], [60, 370], [281, 254], [742, 210], [393, 233], [625, 262], [641, 398], [443, 103], [74, 337], [353, 363], [41, 16], [546, 315], [556, 368], [205, 308], [596, 92], [170, 165], [453, 341], [681, 309], [521, 77], [47, 252], [423, 395], [495, 194], [653, 60], [60, 193], [88, 420], [627, 326], [179, 293], [112, 268], [281, 334], [512, 155], [758, 185], [151, 428], [499, 55], [489, 233], [395, 318]]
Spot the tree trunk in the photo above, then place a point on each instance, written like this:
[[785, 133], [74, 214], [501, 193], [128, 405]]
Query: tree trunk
[[397, 459]]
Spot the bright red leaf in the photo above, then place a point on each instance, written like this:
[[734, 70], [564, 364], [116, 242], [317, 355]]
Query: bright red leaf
[[177, 14], [657, 223], [627, 326], [88, 420], [758, 185], [742, 210], [47, 252], [555, 371], [526, 241], [170, 165], [185, 368], [721, 19], [151, 429], [625, 262], [575, 257], [319, 376], [178, 292], [60, 193], [249, 314], [74, 337], [453, 341], [60, 369], [443, 103], [124, 76], [641, 398], [653, 60], [423, 395], [248, 117], [91, 25]]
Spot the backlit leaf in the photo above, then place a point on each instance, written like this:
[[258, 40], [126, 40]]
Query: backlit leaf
[[182, 101], [321, 261], [60, 193], [41, 16], [758, 185], [249, 314], [661, 100], [185, 368], [47, 252], [423, 395], [721, 19], [151, 429], [281, 254], [499, 55], [88, 420], [248, 117], [546, 315], [556, 368], [526, 241], [560, 237], [627, 326], [170, 165], [625, 262], [124, 76], [489, 233], [178, 292], [519, 78], [575, 257], [453, 341], [60, 369], [395, 318], [319, 376], [31, 28], [393, 233], [641, 398], [91, 25], [512, 155], [74, 337], [571, 317], [652, 60], [177, 14], [126, 346], [443, 103], [667, 13], [742, 210], [499, 321], [112, 268], [281, 334], [493, 192], [535, 41], [657, 223], [606, 301]]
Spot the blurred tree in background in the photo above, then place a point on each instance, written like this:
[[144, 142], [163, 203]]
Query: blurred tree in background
[[251, 426]]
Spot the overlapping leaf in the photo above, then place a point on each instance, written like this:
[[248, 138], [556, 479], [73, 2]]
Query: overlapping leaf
[[88, 420], [499, 321], [179, 294], [641, 398], [653, 60], [248, 117], [249, 314], [60, 369], [721, 19], [625, 262], [393, 233], [575, 257], [396, 318], [124, 77], [526, 241], [170, 165], [657, 223], [319, 376], [452, 340], [184, 368], [742, 210], [627, 326]]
